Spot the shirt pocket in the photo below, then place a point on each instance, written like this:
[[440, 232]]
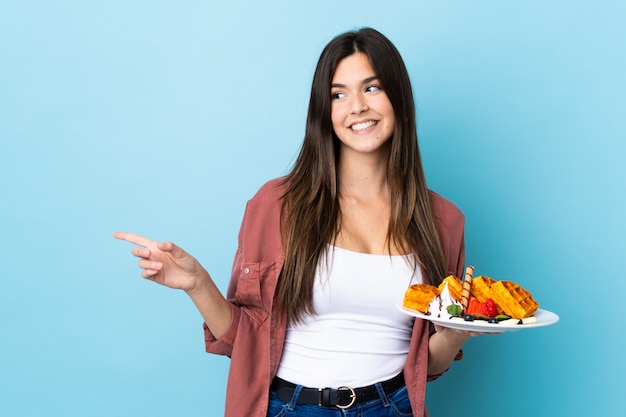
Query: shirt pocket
[[255, 289]]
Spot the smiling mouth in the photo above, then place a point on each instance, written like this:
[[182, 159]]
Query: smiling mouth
[[362, 126]]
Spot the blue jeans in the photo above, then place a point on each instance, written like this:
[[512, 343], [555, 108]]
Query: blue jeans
[[393, 405]]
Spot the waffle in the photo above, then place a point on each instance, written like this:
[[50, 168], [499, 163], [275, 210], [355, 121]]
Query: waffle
[[418, 296], [481, 287], [455, 286], [514, 300]]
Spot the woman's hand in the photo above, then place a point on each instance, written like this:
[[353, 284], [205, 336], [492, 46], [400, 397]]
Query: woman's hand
[[164, 262], [169, 265], [455, 336]]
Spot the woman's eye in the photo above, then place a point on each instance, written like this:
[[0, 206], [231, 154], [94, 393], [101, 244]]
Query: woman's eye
[[372, 88], [337, 96]]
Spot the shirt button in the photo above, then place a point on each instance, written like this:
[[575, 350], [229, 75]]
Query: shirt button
[[246, 270]]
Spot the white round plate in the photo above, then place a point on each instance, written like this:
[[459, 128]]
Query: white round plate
[[544, 318]]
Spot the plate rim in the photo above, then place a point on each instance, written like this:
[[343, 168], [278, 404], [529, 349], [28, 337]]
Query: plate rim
[[482, 326]]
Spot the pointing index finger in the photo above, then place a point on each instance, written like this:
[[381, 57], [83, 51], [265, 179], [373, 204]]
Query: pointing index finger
[[133, 238]]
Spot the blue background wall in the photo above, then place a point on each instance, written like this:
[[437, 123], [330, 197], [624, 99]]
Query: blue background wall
[[163, 118]]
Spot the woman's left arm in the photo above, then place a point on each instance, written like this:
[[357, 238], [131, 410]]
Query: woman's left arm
[[443, 347]]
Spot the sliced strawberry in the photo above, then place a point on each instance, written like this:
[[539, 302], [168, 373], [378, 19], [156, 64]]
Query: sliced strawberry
[[491, 307], [482, 310], [473, 305]]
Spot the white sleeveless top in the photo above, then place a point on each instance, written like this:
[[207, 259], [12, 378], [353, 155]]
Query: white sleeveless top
[[358, 336]]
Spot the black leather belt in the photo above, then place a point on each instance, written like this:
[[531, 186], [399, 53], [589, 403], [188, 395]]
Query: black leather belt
[[341, 397]]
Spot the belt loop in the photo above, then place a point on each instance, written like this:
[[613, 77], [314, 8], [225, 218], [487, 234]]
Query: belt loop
[[326, 401], [294, 398], [382, 394]]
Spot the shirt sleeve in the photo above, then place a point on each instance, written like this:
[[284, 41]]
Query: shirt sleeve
[[224, 345]]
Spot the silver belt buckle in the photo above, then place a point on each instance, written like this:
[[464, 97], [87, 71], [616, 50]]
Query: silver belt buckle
[[352, 396]]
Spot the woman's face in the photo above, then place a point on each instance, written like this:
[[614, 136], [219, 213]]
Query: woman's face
[[361, 113]]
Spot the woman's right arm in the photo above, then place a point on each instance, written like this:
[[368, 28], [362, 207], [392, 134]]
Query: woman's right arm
[[169, 265]]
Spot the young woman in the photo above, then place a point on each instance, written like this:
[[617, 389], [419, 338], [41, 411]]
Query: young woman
[[326, 253]]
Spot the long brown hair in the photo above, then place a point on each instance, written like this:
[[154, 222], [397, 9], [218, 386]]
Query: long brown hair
[[311, 212]]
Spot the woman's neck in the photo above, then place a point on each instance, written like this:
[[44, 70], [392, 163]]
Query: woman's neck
[[364, 201], [362, 176]]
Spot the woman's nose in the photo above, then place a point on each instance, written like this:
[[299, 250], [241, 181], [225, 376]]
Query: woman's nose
[[359, 104]]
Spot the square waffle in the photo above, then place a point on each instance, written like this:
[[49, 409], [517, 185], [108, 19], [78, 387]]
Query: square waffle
[[514, 300], [481, 287], [418, 296], [455, 286]]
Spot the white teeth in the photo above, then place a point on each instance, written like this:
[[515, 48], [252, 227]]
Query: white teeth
[[364, 125]]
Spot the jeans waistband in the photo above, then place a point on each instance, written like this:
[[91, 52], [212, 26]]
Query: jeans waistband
[[340, 397]]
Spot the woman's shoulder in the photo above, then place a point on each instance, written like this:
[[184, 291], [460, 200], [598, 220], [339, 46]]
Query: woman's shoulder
[[272, 190], [445, 209]]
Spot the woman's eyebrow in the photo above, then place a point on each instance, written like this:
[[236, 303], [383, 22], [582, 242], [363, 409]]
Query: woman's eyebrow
[[365, 81]]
